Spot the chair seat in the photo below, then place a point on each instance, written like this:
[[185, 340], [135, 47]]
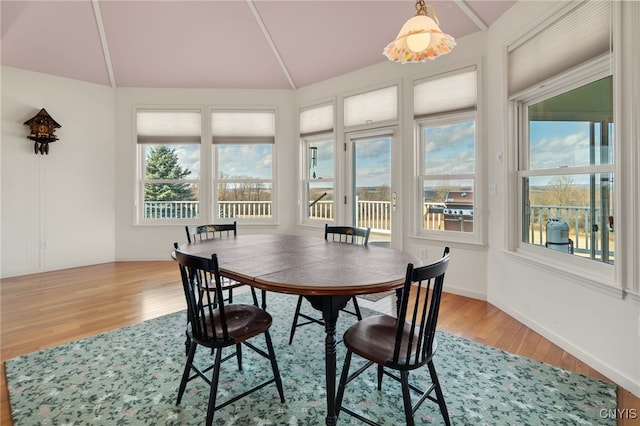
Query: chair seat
[[243, 322], [374, 338]]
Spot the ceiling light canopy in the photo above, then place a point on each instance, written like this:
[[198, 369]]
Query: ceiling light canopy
[[420, 38]]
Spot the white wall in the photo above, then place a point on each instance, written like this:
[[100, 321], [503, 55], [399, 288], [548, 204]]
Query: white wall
[[599, 328], [65, 198], [152, 242]]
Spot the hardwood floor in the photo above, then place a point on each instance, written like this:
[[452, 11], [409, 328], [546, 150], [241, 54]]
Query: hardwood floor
[[45, 310]]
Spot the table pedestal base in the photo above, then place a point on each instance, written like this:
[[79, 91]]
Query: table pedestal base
[[330, 307]]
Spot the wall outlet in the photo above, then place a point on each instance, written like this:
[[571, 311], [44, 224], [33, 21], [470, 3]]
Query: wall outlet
[[423, 253], [44, 244]]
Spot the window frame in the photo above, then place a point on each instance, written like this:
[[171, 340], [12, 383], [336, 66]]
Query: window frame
[[208, 178], [315, 127], [421, 177], [596, 274], [141, 179], [305, 142], [478, 236], [215, 180]]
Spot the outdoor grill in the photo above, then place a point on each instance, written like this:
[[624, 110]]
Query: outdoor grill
[[458, 211]]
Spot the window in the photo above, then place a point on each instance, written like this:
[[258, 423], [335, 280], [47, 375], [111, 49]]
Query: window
[[370, 166], [243, 154], [316, 134], [566, 171], [563, 121], [169, 154], [445, 119], [319, 178]]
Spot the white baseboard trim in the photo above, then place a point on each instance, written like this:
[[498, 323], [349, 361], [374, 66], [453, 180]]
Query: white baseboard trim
[[613, 374], [464, 292]]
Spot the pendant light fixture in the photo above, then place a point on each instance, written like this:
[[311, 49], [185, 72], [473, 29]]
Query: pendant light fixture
[[420, 38]]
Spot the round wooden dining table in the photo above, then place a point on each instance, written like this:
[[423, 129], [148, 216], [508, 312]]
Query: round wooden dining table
[[327, 273]]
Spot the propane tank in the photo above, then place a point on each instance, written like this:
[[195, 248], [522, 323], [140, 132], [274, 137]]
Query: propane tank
[[558, 235]]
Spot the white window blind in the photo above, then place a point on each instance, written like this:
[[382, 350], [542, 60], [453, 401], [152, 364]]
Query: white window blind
[[316, 120], [168, 127], [577, 36], [233, 127], [453, 92], [371, 107]]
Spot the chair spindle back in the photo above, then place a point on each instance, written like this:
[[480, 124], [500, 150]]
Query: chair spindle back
[[415, 335], [207, 319], [347, 234], [208, 232]]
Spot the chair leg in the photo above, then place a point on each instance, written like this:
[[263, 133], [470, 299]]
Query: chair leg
[[187, 369], [357, 308], [406, 398], [436, 383], [380, 374], [211, 408], [343, 381], [239, 355], [253, 295], [295, 320], [187, 344], [274, 365]]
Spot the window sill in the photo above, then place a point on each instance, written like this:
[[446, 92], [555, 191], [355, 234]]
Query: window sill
[[586, 277], [466, 238], [471, 243]]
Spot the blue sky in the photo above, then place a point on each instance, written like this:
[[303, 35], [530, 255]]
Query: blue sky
[[372, 159], [189, 156], [561, 144], [448, 149], [250, 160], [558, 144], [373, 162]]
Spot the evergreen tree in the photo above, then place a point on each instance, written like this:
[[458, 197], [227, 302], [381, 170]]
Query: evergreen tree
[[163, 163]]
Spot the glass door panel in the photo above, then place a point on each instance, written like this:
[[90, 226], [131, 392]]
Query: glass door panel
[[372, 198]]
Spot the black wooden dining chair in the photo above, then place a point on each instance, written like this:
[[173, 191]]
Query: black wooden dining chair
[[401, 344], [343, 234], [218, 326], [199, 233]]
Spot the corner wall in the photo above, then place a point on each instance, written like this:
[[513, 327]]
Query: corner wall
[[57, 209]]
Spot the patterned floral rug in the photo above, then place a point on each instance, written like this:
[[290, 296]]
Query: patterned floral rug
[[130, 376]]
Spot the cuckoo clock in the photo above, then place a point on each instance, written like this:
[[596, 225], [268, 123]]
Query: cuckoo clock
[[43, 129]]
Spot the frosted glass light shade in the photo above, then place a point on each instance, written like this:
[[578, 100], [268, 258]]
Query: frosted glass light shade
[[419, 39]]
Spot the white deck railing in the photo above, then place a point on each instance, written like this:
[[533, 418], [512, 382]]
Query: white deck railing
[[585, 229], [377, 216], [370, 214]]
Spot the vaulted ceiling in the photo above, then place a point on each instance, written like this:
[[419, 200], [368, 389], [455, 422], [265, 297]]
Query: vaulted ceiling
[[255, 44]]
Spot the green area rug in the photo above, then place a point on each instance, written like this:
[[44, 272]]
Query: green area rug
[[130, 376]]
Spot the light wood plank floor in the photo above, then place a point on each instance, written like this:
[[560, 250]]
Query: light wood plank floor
[[44, 310]]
